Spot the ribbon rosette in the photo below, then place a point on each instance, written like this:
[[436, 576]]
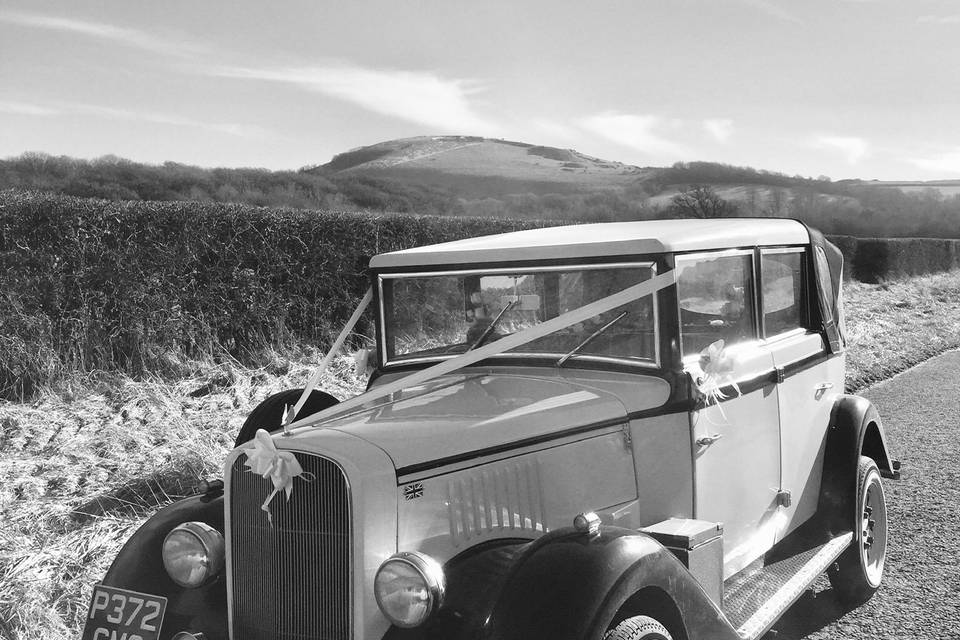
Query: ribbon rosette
[[280, 467], [717, 366]]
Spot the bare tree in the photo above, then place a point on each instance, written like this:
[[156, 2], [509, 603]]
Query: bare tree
[[701, 201]]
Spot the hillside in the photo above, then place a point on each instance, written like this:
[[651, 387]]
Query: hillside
[[483, 177], [481, 167]]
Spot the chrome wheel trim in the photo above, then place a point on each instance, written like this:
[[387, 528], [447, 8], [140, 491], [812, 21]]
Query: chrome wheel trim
[[873, 530]]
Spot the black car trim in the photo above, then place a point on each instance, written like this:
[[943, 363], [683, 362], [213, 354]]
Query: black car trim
[[679, 405], [509, 446]]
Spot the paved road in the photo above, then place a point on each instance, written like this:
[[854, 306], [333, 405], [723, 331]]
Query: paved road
[[920, 595]]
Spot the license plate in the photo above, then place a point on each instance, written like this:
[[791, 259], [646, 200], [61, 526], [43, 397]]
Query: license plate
[[119, 614]]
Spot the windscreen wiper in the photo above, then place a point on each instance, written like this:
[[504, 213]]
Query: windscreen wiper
[[590, 339], [486, 332]]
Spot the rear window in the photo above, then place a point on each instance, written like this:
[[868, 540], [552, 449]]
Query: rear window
[[784, 290]]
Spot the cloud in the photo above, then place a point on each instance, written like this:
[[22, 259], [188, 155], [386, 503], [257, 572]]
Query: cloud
[[639, 132], [943, 163], [954, 19], [720, 128], [771, 9], [128, 115], [114, 113], [416, 96], [25, 109], [132, 38], [852, 147]]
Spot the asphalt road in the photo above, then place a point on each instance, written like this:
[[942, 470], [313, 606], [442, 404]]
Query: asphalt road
[[920, 594]]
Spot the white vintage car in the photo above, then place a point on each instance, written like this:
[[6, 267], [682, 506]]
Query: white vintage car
[[619, 431]]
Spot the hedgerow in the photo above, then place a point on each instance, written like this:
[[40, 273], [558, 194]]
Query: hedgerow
[[142, 287], [147, 287]]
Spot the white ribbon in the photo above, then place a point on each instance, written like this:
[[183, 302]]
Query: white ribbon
[[280, 467], [635, 292], [290, 414]]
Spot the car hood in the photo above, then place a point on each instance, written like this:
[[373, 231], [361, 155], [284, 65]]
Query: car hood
[[460, 414]]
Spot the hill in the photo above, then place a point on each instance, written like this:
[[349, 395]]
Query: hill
[[482, 167], [473, 176]]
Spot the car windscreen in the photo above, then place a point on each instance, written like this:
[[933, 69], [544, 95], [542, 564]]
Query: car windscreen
[[443, 314]]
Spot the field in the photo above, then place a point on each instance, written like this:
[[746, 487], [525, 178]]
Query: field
[[86, 462]]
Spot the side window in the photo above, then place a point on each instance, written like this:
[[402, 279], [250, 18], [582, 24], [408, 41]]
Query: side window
[[784, 290], [716, 300]]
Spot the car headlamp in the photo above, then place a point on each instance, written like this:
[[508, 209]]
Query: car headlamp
[[408, 588], [193, 554]]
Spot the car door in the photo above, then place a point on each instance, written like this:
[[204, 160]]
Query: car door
[[809, 381], [735, 436]]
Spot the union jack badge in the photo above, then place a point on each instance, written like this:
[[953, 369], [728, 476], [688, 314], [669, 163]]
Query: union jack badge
[[413, 491]]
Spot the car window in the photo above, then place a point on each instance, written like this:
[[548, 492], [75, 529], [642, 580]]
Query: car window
[[784, 290], [716, 300]]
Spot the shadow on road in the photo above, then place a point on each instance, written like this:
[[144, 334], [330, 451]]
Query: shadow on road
[[812, 612]]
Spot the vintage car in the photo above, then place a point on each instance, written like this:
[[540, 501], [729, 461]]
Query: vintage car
[[619, 431]]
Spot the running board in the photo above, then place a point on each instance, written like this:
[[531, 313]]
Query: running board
[[802, 570]]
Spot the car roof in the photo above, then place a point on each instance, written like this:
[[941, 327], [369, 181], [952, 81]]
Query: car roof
[[600, 240]]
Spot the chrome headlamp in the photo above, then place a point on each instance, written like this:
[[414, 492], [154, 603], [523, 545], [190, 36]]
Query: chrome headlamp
[[408, 588], [194, 554]]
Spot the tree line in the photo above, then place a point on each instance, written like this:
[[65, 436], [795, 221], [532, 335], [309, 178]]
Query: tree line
[[842, 207]]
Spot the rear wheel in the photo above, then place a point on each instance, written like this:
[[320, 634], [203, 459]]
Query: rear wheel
[[638, 628], [269, 413], [858, 572]]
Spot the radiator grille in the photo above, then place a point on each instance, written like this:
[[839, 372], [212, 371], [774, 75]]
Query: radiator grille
[[292, 580]]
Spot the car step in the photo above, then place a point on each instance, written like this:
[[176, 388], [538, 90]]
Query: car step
[[755, 601]]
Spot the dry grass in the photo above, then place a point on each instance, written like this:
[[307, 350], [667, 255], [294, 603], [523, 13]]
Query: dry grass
[[82, 469], [894, 325], [83, 466]]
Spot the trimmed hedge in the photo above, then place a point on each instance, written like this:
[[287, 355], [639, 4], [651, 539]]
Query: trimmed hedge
[[875, 259], [141, 286]]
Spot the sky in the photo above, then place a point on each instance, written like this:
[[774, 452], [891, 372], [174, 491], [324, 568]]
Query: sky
[[843, 88]]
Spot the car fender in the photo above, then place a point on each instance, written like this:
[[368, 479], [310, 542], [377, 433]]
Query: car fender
[[855, 429], [569, 585], [139, 567]]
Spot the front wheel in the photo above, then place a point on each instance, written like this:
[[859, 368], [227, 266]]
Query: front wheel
[[858, 572], [638, 628]]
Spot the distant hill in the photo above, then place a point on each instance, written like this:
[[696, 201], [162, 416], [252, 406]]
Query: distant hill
[[483, 167], [469, 175]]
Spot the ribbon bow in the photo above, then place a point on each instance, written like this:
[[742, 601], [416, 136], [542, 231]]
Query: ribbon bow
[[717, 366], [280, 467]]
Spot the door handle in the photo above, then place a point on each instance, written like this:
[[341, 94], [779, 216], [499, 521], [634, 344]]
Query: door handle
[[706, 441], [821, 389]]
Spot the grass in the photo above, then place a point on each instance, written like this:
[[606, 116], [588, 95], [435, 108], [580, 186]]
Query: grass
[[90, 460], [894, 325]]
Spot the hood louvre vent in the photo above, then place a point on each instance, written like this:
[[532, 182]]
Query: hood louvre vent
[[509, 497]]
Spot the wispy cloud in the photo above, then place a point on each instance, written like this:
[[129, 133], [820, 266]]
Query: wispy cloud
[[129, 115], [940, 164], [124, 36], [26, 109], [720, 128], [113, 113], [853, 148], [952, 19], [639, 132], [416, 96], [772, 9]]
